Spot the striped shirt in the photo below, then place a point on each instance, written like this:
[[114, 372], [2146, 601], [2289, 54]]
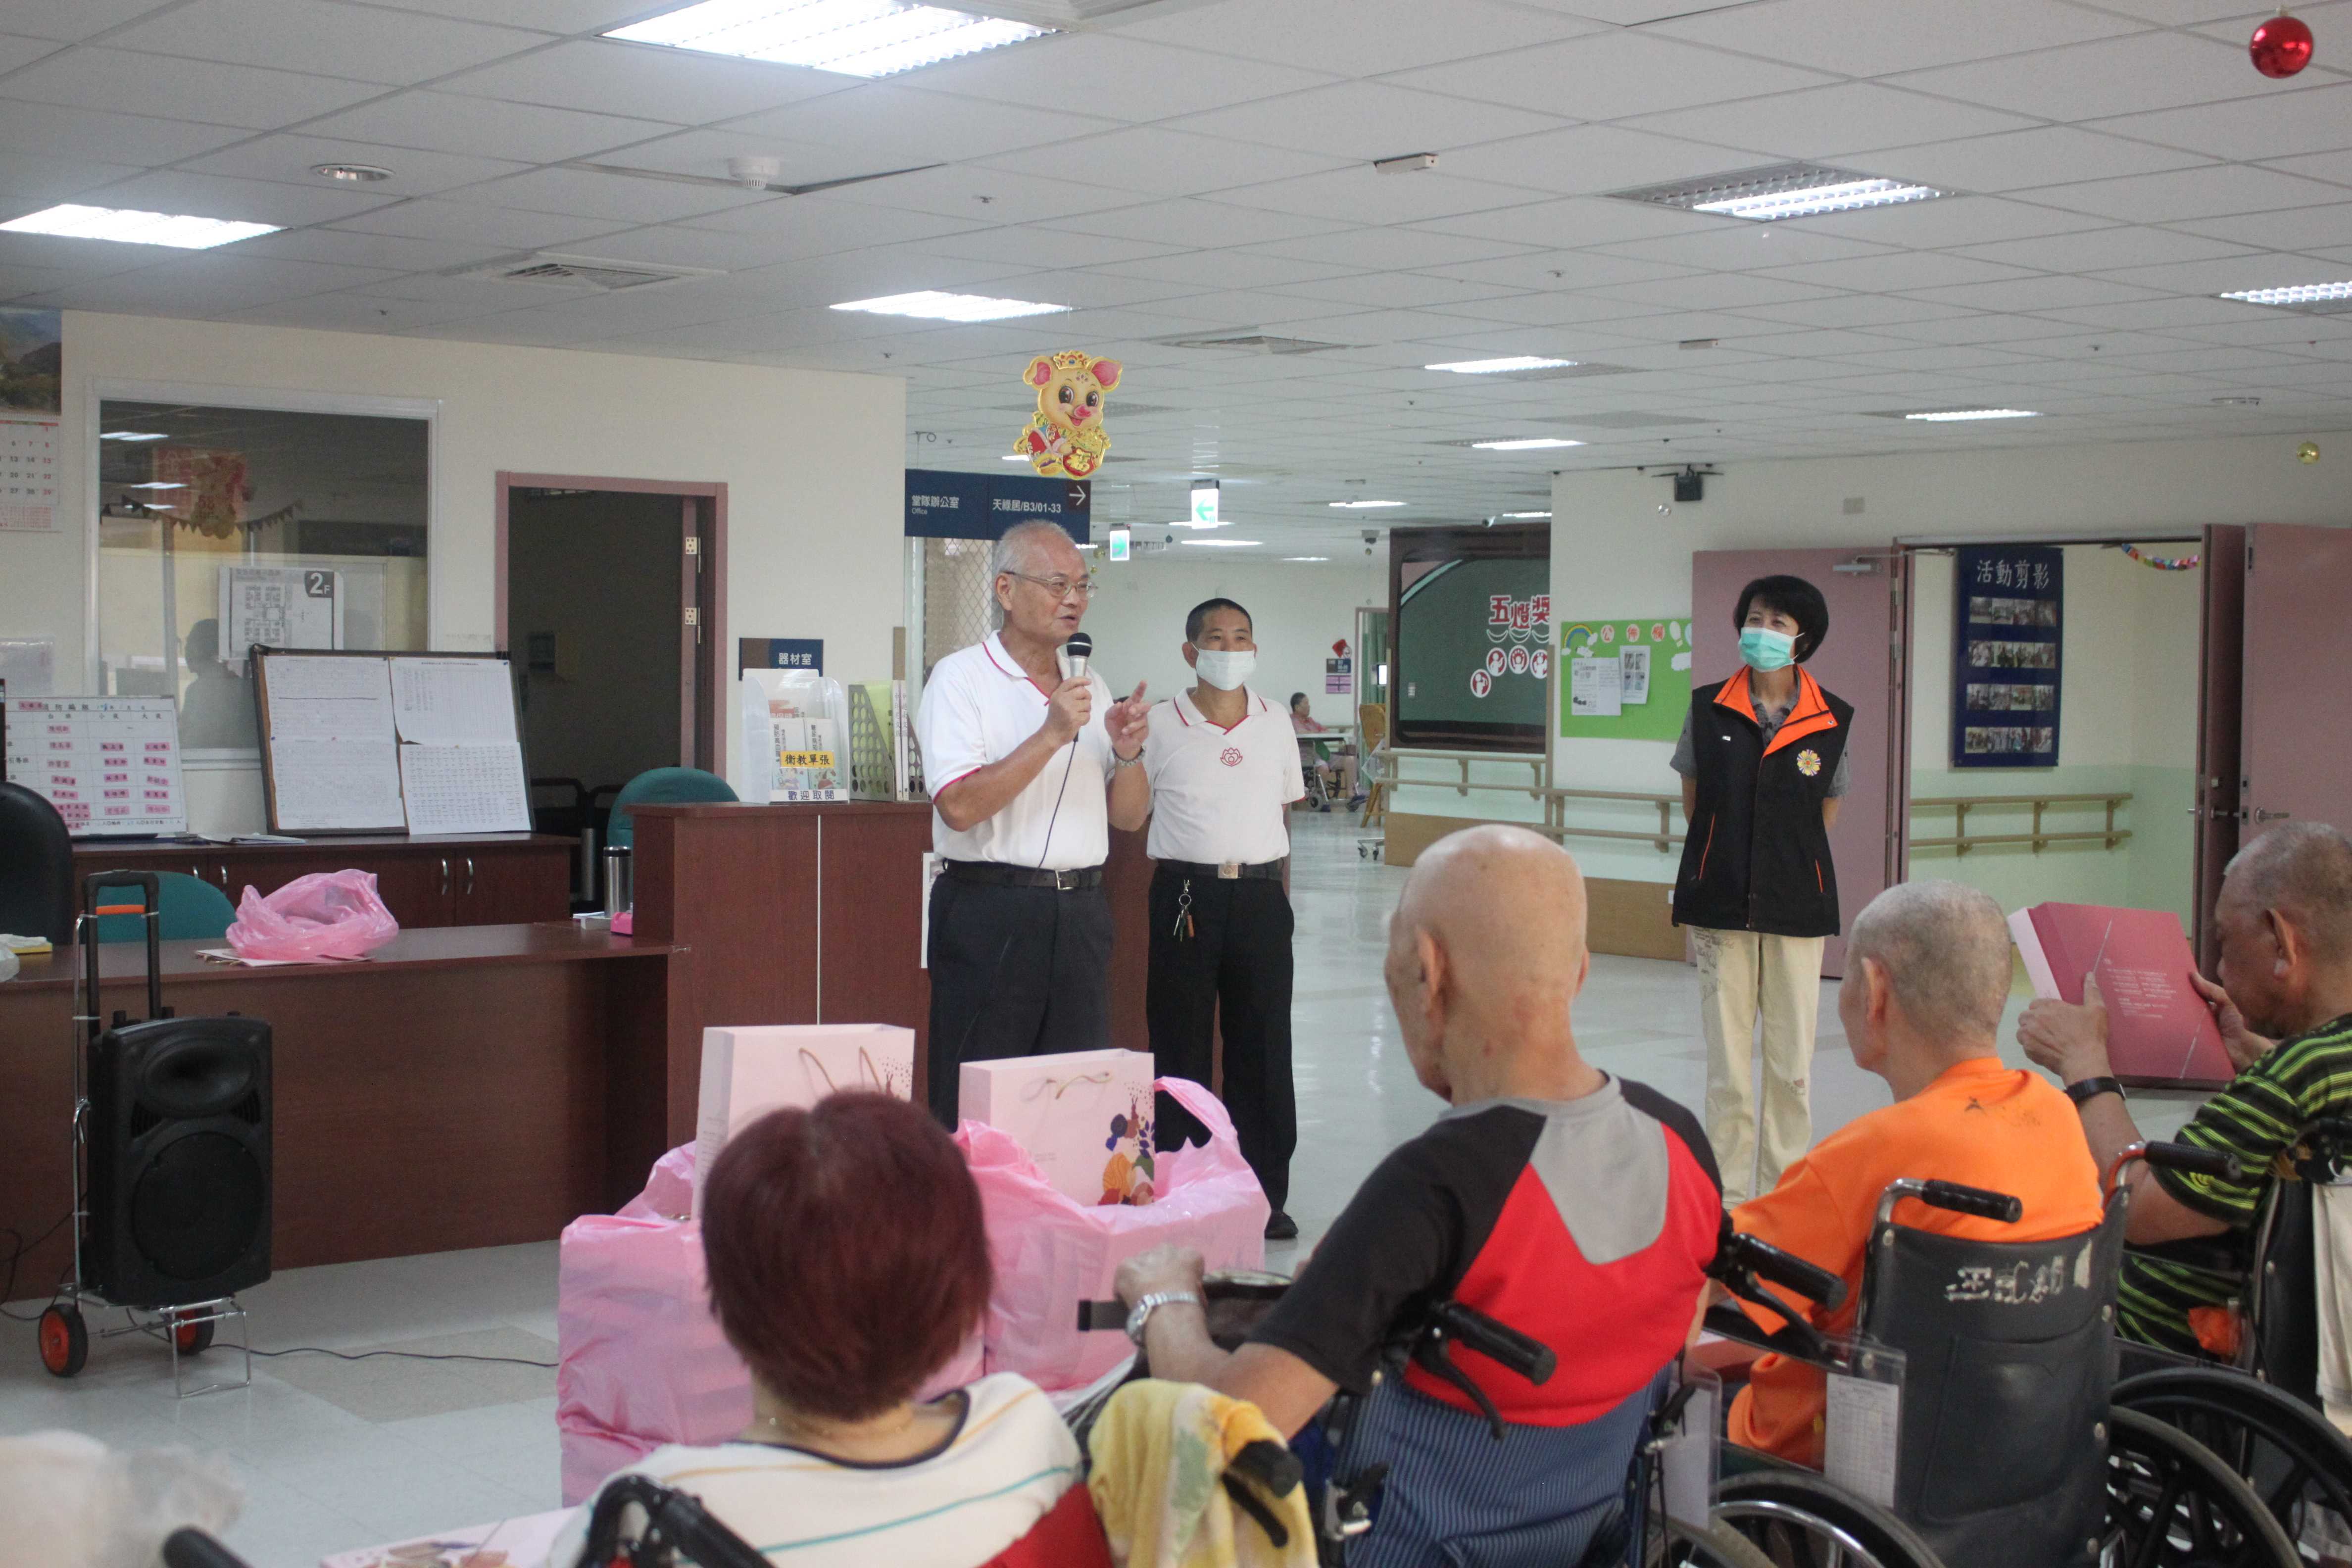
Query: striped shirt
[[2256, 1117], [1007, 1463]]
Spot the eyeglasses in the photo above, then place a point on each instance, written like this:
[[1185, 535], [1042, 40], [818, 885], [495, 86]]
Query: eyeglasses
[[1060, 587]]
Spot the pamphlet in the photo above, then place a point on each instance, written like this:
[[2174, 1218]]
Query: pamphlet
[[2159, 1030]]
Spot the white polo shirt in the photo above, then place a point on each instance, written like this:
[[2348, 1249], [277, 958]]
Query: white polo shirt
[[1218, 794], [979, 706]]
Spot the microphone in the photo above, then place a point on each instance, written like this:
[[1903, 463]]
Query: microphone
[[1080, 647]]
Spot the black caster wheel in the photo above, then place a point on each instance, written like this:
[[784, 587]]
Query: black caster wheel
[[65, 1343]]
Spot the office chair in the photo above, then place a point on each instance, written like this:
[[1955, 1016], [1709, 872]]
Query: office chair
[[662, 787], [193, 910], [36, 872]]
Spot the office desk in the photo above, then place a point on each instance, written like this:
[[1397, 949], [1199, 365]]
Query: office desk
[[466, 1086], [488, 879]]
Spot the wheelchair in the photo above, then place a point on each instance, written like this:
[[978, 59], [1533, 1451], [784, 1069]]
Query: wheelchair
[[2258, 1407], [2005, 1357]]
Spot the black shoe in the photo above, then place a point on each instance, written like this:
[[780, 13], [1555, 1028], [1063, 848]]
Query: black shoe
[[1280, 1226]]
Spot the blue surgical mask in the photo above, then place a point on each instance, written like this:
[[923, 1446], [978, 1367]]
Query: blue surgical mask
[[1762, 648]]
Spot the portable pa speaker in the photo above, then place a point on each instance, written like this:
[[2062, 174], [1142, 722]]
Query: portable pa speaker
[[179, 1161]]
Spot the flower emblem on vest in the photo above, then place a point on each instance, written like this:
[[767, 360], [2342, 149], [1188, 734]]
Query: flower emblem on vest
[[1809, 763], [1231, 756]]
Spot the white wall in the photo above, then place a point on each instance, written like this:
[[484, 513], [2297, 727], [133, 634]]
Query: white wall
[[812, 461], [1298, 610], [1613, 552]]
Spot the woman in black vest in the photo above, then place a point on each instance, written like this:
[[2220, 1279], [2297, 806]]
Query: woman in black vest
[[1762, 757]]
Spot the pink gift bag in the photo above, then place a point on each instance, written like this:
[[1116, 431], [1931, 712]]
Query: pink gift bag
[[1084, 1118], [1052, 1252], [641, 1360], [749, 1071]]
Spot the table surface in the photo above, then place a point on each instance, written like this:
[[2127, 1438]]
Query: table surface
[[779, 808], [320, 844], [418, 948]]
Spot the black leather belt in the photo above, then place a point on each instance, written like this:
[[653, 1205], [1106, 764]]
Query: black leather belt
[[997, 874], [1264, 871]]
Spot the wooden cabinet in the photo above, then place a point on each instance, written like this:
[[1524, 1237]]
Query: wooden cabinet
[[510, 879]]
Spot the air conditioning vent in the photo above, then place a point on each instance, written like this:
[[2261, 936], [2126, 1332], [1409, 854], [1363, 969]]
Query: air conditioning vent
[[581, 274], [1251, 343]]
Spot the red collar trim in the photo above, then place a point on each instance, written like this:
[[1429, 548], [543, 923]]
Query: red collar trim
[[989, 648], [1184, 699]]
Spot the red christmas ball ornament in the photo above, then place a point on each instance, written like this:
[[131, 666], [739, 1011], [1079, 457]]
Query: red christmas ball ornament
[[2281, 46]]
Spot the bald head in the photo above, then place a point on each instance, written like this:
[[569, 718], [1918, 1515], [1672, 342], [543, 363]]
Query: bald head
[[2302, 871], [1945, 951]]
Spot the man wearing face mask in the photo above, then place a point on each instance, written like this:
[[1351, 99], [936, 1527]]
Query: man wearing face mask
[[1224, 766], [1763, 762]]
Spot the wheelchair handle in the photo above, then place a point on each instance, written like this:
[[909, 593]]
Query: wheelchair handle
[[1740, 1260], [2185, 1157], [1474, 1329], [192, 1547], [1979, 1201], [1097, 1316]]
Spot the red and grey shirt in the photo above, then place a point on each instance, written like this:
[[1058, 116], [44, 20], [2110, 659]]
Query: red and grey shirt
[[1585, 1224]]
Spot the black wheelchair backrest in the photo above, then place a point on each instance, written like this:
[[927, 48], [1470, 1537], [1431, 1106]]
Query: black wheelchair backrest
[[2008, 1366]]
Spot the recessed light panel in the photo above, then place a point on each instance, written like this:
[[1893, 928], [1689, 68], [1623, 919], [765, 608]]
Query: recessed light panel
[[1222, 543], [127, 227], [133, 436], [1363, 505], [1956, 416], [931, 305], [2317, 298], [855, 37], [1522, 516], [1782, 190], [1524, 444], [1501, 367]]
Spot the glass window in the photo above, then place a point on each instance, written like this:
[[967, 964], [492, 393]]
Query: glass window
[[220, 528]]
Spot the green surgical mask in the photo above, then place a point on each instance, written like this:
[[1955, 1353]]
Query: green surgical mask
[[1760, 648]]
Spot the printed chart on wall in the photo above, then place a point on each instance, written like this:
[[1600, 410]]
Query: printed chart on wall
[[2008, 615], [109, 764], [1627, 680]]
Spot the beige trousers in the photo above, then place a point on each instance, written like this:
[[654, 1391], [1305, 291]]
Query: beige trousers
[[1743, 974]]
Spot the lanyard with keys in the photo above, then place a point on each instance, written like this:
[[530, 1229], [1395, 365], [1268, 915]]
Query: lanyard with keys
[[1182, 930]]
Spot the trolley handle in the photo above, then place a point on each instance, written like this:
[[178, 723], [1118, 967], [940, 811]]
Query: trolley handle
[[1980, 1201], [86, 932]]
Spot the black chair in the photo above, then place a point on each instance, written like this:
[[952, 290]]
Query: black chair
[[37, 897]]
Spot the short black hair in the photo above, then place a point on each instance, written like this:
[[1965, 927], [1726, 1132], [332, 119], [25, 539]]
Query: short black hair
[[1201, 613], [1296, 697], [1794, 597]]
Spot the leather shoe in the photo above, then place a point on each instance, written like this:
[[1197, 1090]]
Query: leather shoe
[[1280, 1226]]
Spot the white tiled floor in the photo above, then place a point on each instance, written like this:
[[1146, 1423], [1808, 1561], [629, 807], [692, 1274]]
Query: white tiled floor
[[320, 1476]]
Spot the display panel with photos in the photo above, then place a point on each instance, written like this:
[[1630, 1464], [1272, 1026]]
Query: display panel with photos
[[2009, 609]]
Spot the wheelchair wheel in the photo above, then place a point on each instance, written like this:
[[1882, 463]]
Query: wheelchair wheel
[[1717, 1546], [2173, 1504], [1800, 1520], [2296, 1461]]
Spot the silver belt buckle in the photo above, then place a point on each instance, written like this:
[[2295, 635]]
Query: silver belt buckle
[[1228, 870], [1063, 883]]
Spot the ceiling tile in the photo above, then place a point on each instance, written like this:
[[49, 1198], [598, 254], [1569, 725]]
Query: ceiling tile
[[1367, 195], [1152, 161], [582, 193], [2104, 248], [1217, 269], [429, 219], [1184, 222], [351, 314], [2275, 125], [1889, 35], [71, 20], [1581, 221], [367, 43], [1057, 247], [249, 201], [1851, 118], [2144, 71], [1745, 248], [2251, 271], [893, 124], [1714, 291], [215, 94], [54, 179], [2178, 13], [1554, 271], [385, 252], [1586, 160], [1116, 76], [1355, 38], [80, 133], [446, 122], [820, 225], [19, 50], [2043, 293], [1899, 272], [2021, 160], [1363, 121], [76, 258], [2213, 191], [1391, 291], [290, 158], [707, 153], [2333, 167], [570, 17], [2151, 315], [969, 191], [605, 76], [1606, 75], [2295, 228], [1961, 220]]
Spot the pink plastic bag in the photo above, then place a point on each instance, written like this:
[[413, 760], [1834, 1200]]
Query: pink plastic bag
[[640, 1360], [327, 914], [1052, 1253]]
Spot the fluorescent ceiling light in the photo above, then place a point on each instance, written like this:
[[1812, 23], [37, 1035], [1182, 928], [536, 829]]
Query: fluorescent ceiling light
[[1222, 543], [1188, 522], [1525, 444], [1089, 547], [1500, 366], [2296, 294], [1783, 190], [855, 37], [1012, 457], [1307, 558], [132, 227], [1950, 415], [933, 305], [155, 485], [1522, 516], [1361, 505], [132, 436]]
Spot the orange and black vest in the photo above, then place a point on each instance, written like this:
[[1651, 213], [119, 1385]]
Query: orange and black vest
[[1758, 858]]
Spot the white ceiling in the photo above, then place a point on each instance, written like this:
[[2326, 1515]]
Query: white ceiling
[[1192, 168]]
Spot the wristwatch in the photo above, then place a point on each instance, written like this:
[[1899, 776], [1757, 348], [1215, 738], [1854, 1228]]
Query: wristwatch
[[2090, 1089], [1153, 1303]]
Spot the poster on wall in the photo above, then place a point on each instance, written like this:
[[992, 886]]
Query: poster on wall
[[32, 361], [1338, 676], [1628, 679], [2007, 621]]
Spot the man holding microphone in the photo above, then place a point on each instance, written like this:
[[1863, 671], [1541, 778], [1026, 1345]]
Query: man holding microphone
[[1223, 767], [1036, 762]]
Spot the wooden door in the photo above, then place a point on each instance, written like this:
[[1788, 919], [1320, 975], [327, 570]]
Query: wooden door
[[415, 886], [2295, 705], [2221, 679], [1855, 662]]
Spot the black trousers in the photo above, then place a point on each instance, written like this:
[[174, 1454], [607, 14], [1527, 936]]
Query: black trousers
[[1015, 971], [1229, 971]]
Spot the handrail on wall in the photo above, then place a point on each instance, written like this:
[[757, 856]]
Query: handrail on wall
[[1963, 840]]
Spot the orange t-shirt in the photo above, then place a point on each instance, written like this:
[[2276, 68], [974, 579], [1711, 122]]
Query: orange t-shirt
[[1980, 1124]]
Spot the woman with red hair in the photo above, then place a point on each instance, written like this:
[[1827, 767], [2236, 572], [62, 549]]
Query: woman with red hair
[[847, 1263]]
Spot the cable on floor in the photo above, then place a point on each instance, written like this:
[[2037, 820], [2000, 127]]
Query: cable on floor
[[404, 1356]]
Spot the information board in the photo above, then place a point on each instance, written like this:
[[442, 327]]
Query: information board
[[109, 764], [1625, 679], [2008, 612]]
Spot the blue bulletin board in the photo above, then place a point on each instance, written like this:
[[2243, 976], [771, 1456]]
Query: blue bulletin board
[[1651, 680], [2008, 614]]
